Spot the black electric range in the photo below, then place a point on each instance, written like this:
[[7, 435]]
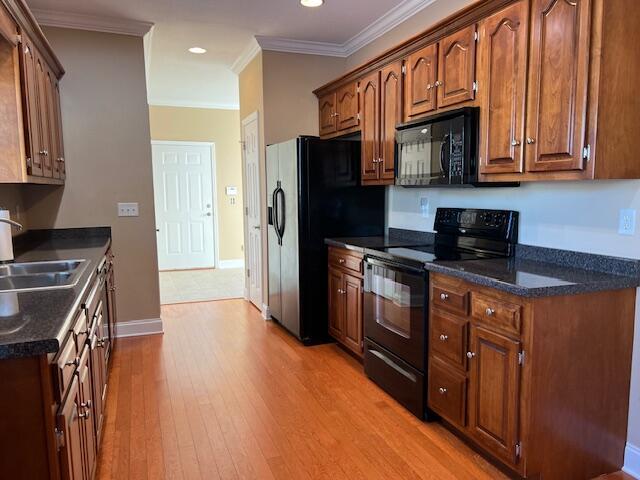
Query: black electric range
[[396, 296]]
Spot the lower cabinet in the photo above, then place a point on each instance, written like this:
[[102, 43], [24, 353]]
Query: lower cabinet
[[525, 379], [345, 294], [70, 432]]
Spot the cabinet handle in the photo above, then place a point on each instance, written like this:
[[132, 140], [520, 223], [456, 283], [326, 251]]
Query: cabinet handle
[[442, 390], [86, 415], [470, 355], [75, 362], [515, 143], [341, 260], [438, 84], [444, 338], [429, 86], [86, 404], [101, 343], [531, 141], [444, 297], [489, 311]]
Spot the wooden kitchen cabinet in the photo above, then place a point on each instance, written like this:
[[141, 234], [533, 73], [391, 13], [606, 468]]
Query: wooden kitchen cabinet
[[29, 99], [345, 296], [339, 110], [421, 74], [327, 108], [457, 68], [70, 426], [503, 76], [513, 375], [370, 140]]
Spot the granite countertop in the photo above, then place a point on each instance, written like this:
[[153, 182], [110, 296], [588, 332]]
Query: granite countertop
[[45, 316], [533, 272], [361, 244]]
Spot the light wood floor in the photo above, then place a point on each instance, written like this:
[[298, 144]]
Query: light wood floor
[[223, 394]]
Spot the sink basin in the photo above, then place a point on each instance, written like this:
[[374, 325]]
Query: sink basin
[[17, 277]]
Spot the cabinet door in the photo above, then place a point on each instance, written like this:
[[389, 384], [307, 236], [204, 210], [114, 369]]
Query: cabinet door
[[370, 151], [336, 305], [503, 75], [558, 77], [111, 307], [30, 108], [43, 117], [390, 116], [86, 407], [457, 67], [60, 142], [52, 120], [69, 422], [494, 378], [353, 338], [348, 106], [327, 107], [421, 70]]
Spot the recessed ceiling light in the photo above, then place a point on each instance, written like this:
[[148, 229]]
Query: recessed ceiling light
[[311, 3], [197, 50]]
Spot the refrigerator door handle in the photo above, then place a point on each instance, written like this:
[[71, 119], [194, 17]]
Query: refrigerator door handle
[[280, 226], [274, 197]]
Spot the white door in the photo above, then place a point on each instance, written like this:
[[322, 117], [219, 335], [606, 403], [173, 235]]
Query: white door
[[250, 138], [183, 189]]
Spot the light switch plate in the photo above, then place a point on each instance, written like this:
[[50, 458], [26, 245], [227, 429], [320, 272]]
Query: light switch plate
[[128, 210], [424, 207], [627, 222]]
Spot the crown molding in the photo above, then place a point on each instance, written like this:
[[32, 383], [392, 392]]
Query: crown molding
[[386, 22], [192, 104], [248, 54], [122, 26]]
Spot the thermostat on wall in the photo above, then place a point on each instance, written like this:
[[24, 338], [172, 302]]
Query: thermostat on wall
[[232, 191]]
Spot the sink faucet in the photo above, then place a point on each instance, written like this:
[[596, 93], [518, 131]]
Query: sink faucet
[[11, 222]]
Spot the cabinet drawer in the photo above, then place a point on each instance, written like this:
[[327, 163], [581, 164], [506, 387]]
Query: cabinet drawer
[[497, 314], [446, 297], [447, 393], [346, 260], [65, 365], [448, 338], [80, 330]]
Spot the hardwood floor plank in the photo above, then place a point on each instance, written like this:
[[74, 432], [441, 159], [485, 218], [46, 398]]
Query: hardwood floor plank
[[224, 394]]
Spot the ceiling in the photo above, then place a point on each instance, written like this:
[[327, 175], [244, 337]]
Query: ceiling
[[226, 29]]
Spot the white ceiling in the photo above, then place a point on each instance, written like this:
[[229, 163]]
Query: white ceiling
[[225, 28]]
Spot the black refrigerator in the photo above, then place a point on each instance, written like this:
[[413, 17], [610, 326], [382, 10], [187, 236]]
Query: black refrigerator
[[313, 193]]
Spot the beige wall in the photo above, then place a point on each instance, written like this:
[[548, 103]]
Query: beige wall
[[291, 109], [222, 127], [107, 147]]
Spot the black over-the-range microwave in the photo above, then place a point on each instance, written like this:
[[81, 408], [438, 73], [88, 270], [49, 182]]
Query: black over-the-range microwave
[[440, 150]]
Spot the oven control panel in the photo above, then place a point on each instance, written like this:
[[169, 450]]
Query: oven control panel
[[495, 224]]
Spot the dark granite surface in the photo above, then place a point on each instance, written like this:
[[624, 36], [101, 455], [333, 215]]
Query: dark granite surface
[[533, 272], [360, 244], [45, 317]]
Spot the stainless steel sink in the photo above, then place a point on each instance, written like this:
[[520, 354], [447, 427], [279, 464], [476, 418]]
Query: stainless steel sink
[[40, 275]]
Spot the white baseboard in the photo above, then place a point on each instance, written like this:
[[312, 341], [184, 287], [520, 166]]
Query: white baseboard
[[136, 328], [632, 460], [235, 263], [266, 314]]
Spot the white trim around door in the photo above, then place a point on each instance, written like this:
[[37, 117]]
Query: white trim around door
[[214, 188]]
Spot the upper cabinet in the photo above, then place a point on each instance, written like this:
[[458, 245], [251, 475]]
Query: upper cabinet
[[554, 81], [339, 110], [29, 101]]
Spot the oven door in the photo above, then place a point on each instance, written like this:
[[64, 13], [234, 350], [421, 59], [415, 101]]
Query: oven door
[[395, 317]]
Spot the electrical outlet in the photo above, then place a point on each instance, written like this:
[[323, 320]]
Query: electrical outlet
[[424, 207], [128, 209], [627, 223]]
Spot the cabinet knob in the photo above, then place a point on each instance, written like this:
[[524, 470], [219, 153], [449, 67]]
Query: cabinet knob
[[444, 297], [86, 404], [86, 415], [515, 143], [341, 260], [489, 311], [444, 338], [75, 362], [531, 141], [442, 390], [429, 86], [438, 84], [470, 355]]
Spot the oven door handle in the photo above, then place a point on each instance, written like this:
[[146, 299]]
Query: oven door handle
[[395, 266], [394, 365]]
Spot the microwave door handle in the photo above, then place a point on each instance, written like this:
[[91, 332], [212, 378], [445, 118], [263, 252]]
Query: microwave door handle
[[442, 147]]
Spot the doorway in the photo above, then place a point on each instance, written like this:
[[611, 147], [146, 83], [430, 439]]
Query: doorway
[[184, 179], [250, 135]]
